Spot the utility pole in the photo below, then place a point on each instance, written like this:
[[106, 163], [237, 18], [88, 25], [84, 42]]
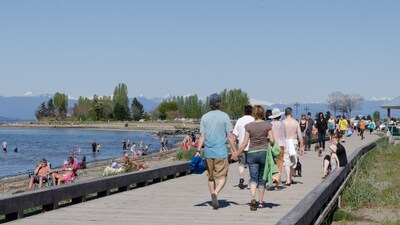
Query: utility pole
[[297, 104], [307, 109]]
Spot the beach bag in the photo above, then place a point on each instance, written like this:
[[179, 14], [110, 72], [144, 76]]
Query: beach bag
[[197, 164], [348, 133]]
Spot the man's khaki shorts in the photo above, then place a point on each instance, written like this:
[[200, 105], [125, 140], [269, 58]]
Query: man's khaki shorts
[[217, 168]]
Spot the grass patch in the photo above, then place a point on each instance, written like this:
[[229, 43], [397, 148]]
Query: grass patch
[[375, 183], [184, 155], [341, 215]]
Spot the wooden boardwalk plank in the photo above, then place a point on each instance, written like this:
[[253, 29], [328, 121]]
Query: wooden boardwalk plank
[[187, 200]]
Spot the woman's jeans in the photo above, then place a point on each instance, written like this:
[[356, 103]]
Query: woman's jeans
[[321, 139], [256, 163]]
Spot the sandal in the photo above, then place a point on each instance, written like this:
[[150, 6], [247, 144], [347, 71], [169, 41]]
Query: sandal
[[261, 205], [253, 205]]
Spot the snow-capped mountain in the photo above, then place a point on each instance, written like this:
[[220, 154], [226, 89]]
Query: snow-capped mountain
[[24, 107]]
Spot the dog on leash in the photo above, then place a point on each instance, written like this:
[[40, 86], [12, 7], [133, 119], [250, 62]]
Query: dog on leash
[[297, 169], [318, 149]]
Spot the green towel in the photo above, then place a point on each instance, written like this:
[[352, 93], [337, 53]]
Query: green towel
[[270, 165]]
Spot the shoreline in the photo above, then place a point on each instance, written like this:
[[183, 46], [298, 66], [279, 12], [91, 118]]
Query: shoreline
[[19, 183], [115, 126]]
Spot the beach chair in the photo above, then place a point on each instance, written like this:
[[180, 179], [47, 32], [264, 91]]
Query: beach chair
[[46, 182], [71, 178]]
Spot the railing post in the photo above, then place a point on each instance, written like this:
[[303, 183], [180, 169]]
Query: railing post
[[50, 207], [15, 215], [79, 199], [103, 193]]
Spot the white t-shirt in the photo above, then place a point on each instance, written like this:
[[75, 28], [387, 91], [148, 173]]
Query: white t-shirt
[[239, 130]]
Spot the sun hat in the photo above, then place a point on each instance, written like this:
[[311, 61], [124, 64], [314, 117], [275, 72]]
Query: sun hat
[[215, 98], [275, 113], [333, 148]]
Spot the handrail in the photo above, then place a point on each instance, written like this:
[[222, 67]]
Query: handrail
[[13, 206], [312, 205]]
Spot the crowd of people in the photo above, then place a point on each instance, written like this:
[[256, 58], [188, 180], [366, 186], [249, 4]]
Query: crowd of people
[[43, 174], [249, 138]]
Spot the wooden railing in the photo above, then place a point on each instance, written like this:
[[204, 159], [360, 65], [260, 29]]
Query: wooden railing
[[13, 207]]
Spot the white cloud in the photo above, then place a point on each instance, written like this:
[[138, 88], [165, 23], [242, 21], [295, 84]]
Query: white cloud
[[260, 102], [380, 98], [73, 98]]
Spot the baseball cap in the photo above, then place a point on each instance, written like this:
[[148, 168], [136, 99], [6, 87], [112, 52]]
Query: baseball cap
[[215, 98]]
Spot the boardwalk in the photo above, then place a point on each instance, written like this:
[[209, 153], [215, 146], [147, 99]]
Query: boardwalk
[[187, 200]]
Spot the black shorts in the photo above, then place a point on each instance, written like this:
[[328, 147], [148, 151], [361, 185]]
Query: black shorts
[[36, 179]]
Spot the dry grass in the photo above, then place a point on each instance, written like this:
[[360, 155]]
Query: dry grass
[[373, 196]]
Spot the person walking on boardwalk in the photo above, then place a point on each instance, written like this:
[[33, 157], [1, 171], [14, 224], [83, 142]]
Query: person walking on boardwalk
[[322, 127], [259, 133], [239, 133], [215, 128], [292, 134], [279, 136], [331, 127], [362, 128], [309, 130], [342, 126]]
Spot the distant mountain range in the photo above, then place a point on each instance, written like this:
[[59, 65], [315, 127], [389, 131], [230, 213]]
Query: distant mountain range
[[24, 107]]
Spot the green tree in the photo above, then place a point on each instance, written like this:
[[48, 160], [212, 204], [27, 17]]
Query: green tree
[[51, 109], [137, 110], [168, 109], [233, 102], [377, 115], [121, 102], [82, 108], [102, 107], [189, 106], [41, 112], [147, 117], [61, 104], [369, 117]]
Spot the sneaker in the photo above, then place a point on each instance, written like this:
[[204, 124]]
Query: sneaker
[[241, 185], [214, 201]]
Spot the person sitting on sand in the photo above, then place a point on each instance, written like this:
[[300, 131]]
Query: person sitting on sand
[[40, 174], [115, 168], [129, 163], [68, 172]]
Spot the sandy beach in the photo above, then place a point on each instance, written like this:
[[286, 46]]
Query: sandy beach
[[17, 184], [123, 126]]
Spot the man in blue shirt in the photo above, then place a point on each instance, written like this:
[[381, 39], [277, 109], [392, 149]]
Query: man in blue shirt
[[215, 126]]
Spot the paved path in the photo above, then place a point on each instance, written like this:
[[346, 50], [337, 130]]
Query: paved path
[[186, 200]]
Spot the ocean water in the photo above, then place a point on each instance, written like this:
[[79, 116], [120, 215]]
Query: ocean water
[[57, 144]]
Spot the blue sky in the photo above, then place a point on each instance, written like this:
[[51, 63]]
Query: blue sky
[[276, 51]]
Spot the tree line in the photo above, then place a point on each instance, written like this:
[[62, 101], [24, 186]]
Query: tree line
[[117, 107]]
